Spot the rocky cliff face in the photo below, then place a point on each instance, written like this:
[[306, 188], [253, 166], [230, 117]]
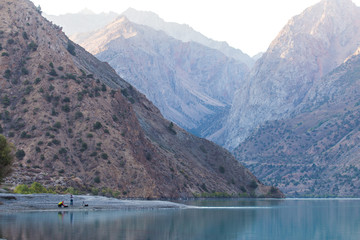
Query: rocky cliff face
[[76, 123], [309, 46], [314, 152], [191, 84]]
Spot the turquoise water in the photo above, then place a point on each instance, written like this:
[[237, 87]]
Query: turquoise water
[[217, 219]]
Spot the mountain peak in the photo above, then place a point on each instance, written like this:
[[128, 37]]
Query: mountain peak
[[86, 11], [310, 46], [184, 33]]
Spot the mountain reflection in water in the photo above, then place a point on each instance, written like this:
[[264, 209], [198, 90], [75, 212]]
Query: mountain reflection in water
[[232, 219]]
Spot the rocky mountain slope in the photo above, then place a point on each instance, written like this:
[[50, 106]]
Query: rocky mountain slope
[[76, 123], [316, 151], [192, 85], [310, 46]]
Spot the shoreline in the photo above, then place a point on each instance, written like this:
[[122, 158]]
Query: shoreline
[[49, 202]]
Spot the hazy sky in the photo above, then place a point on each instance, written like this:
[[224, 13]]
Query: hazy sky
[[249, 25]]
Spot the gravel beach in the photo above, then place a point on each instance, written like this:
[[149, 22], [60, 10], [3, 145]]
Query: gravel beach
[[48, 202]]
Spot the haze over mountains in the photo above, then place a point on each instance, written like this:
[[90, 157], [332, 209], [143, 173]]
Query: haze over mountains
[[292, 118], [76, 123], [191, 84]]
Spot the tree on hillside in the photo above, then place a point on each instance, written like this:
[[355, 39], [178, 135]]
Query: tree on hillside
[[6, 157]]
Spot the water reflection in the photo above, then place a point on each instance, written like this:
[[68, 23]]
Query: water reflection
[[294, 219]]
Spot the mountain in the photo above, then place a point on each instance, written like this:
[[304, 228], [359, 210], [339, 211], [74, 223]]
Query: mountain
[[76, 123], [84, 21], [78, 25], [185, 33], [316, 151], [191, 84], [310, 46]]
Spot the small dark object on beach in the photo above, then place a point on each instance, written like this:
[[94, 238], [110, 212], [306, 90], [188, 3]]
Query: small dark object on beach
[[8, 197], [85, 204]]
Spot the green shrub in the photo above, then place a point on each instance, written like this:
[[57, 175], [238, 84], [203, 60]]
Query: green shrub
[[171, 128], [5, 54], [56, 142], [66, 100], [37, 149], [37, 188], [97, 125], [104, 156], [253, 184], [20, 154], [62, 151], [6, 157], [97, 179], [28, 90], [6, 101], [53, 73], [71, 49], [24, 71], [84, 147], [34, 188], [78, 115], [32, 46], [57, 125], [38, 9], [103, 87], [25, 36], [22, 189], [80, 96], [7, 74], [66, 108]]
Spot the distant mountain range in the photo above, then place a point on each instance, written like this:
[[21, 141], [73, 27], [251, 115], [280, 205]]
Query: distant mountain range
[[191, 84], [292, 117], [76, 123], [189, 77], [87, 21], [185, 33]]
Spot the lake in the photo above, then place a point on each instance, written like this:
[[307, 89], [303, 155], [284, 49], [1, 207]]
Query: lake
[[249, 219]]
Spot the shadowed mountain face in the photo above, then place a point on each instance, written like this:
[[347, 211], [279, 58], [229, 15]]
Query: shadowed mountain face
[[191, 84], [310, 46], [76, 123]]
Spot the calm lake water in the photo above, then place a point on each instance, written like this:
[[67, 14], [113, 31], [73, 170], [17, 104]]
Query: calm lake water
[[213, 219]]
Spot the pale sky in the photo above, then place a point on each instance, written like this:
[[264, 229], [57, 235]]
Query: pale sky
[[249, 25]]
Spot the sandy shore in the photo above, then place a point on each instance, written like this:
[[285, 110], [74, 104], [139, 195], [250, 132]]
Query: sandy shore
[[48, 202]]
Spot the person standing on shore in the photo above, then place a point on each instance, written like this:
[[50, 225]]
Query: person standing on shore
[[71, 200]]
